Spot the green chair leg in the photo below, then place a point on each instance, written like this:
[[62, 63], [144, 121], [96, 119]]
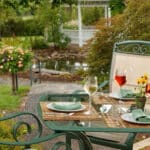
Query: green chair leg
[[68, 140]]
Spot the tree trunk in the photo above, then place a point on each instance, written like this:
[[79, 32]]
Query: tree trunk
[[14, 83]]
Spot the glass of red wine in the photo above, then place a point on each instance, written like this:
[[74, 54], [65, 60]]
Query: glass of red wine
[[120, 78]]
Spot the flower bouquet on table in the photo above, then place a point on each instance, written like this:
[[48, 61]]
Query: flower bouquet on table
[[140, 91]]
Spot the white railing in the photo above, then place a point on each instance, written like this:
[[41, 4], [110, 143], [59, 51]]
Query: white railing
[[74, 34]]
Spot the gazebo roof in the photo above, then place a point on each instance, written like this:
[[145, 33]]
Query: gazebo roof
[[93, 3]]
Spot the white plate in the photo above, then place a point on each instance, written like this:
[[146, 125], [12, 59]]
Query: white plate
[[50, 106], [128, 117], [116, 96]]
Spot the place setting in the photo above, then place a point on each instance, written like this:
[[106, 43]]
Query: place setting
[[66, 106], [67, 111], [137, 116], [123, 94], [73, 110]]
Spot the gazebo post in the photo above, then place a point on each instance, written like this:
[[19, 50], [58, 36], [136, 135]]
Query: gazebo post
[[80, 24]]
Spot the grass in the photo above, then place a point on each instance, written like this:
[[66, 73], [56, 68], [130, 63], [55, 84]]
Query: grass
[[11, 102]]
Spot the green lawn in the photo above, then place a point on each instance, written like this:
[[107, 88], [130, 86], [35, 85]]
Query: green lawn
[[11, 102]]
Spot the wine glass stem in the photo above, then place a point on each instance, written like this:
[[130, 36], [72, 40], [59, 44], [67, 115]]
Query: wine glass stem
[[120, 100], [120, 93], [90, 103]]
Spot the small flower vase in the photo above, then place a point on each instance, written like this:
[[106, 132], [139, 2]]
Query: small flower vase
[[140, 102]]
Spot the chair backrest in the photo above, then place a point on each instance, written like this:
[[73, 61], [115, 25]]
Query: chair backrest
[[134, 57]]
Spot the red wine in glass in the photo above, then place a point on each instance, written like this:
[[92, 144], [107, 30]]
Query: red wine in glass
[[147, 90], [121, 79]]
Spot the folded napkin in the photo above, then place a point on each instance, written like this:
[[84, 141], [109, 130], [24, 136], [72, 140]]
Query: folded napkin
[[67, 105], [126, 93], [139, 115]]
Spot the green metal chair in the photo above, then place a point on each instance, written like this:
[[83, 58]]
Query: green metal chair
[[133, 56]]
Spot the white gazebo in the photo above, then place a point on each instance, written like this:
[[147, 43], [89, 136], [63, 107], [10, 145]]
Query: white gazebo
[[91, 3]]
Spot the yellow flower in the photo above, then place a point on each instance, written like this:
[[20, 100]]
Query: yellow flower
[[142, 81]]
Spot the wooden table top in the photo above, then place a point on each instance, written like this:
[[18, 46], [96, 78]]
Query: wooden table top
[[109, 119]]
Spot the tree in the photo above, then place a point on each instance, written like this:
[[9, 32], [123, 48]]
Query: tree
[[132, 24], [21, 7], [58, 2], [52, 18], [137, 20], [100, 49], [117, 6], [6, 13], [13, 60]]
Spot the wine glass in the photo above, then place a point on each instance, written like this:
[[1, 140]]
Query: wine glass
[[120, 78], [90, 87]]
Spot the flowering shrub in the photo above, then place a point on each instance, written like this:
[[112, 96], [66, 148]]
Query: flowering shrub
[[14, 59], [142, 81]]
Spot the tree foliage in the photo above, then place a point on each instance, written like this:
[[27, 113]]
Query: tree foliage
[[21, 7], [58, 2], [52, 18], [137, 20], [133, 24], [91, 15], [117, 6], [100, 51]]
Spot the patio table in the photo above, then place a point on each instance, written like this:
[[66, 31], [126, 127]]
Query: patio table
[[80, 123]]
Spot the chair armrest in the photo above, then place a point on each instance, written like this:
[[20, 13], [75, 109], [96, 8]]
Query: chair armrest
[[36, 139], [18, 125], [103, 86]]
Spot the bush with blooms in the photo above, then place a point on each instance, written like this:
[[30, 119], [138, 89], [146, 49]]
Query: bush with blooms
[[14, 59], [142, 81]]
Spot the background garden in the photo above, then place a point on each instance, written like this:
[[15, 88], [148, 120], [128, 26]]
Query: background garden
[[36, 26]]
